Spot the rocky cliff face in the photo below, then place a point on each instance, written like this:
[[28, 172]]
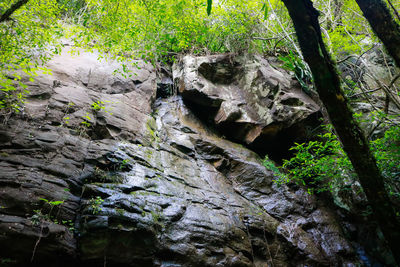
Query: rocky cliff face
[[95, 171]]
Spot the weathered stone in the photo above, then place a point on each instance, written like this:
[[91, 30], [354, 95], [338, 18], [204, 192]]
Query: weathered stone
[[148, 184], [248, 99]]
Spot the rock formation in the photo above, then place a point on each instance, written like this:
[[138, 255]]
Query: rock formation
[[95, 171], [247, 99]]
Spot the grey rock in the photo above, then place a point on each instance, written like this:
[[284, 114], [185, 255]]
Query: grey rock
[[247, 98], [148, 183]]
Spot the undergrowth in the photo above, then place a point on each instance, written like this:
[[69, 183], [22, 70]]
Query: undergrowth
[[322, 165]]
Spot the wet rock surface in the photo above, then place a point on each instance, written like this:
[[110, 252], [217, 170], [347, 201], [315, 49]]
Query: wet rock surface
[[134, 181]]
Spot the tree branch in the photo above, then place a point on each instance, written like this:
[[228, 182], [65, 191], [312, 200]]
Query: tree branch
[[12, 9], [271, 38], [394, 9]]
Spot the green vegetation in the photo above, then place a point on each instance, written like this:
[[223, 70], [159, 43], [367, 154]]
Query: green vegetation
[[5, 262], [100, 105], [387, 153], [86, 122], [157, 30], [102, 176], [152, 133], [269, 165], [95, 204], [28, 38], [322, 165], [317, 164], [44, 215], [124, 164], [300, 70], [120, 211]]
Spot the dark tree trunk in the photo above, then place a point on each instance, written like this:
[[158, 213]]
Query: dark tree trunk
[[12, 9], [326, 79], [386, 28]]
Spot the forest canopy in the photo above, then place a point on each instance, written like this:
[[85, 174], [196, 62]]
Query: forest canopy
[[159, 29]]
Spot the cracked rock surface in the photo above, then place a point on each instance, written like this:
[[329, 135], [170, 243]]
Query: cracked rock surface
[[247, 98], [135, 181]]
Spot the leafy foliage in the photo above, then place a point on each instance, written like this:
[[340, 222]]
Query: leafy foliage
[[26, 42], [387, 153], [42, 215], [95, 204], [269, 165], [318, 164], [301, 71], [345, 29], [323, 165], [157, 30]]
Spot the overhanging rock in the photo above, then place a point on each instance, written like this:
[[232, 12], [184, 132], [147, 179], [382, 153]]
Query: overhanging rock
[[248, 99]]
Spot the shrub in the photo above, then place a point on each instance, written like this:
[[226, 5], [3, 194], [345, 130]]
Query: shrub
[[323, 165]]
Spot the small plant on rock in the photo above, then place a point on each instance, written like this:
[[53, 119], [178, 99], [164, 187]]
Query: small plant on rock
[[95, 204], [39, 216], [100, 105]]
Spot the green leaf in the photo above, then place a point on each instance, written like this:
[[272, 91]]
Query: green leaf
[[209, 6], [265, 12], [56, 203]]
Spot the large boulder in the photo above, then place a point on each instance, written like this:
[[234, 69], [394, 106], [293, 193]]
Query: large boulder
[[247, 98]]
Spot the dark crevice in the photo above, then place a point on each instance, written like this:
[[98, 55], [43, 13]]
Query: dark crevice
[[165, 88], [277, 147], [275, 140], [205, 113]]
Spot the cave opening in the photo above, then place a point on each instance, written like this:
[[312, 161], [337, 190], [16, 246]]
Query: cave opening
[[275, 146]]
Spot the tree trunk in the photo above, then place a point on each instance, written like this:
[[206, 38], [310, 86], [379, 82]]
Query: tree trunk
[[12, 9], [326, 79], [385, 27]]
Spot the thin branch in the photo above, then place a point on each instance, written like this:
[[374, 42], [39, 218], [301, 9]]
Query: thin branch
[[394, 9], [358, 57], [394, 98], [271, 38], [12, 9], [394, 80], [346, 58], [284, 31], [264, 39], [369, 91], [276, 44], [377, 89]]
